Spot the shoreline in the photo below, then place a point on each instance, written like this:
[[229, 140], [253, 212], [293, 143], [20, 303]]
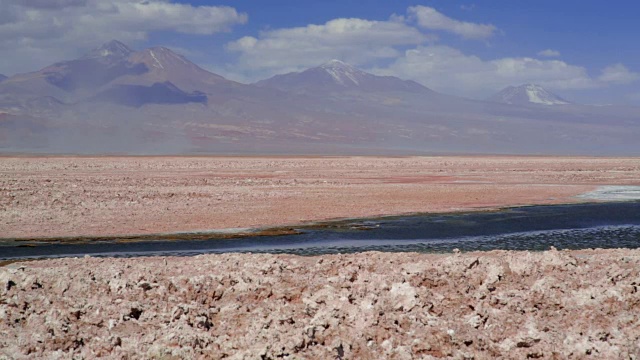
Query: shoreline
[[514, 304], [284, 230], [160, 245], [72, 198]]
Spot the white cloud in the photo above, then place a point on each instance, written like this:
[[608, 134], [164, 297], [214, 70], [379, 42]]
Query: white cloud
[[353, 40], [357, 41], [618, 74], [449, 70], [34, 33], [549, 53], [368, 44], [430, 18]]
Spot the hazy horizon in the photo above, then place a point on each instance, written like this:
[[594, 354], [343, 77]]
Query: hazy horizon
[[163, 77]]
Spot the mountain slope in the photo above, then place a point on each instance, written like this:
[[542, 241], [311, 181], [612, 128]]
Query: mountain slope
[[115, 73], [70, 80], [115, 99], [527, 94], [337, 76], [2, 77], [113, 49], [164, 65]]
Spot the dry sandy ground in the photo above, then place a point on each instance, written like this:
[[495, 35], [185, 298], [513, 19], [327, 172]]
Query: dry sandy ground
[[93, 196], [515, 305]]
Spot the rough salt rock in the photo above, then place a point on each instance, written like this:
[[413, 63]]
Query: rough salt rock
[[486, 305], [404, 296]]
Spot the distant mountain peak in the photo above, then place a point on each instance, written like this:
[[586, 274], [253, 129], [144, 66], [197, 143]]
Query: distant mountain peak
[[528, 94], [338, 76], [161, 59], [163, 64], [343, 73], [334, 63], [113, 48], [2, 77]]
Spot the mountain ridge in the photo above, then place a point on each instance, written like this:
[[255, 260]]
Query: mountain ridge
[[527, 94], [115, 99], [113, 48], [338, 76], [102, 71]]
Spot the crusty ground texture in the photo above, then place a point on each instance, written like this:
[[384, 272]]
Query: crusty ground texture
[[515, 305], [98, 196]]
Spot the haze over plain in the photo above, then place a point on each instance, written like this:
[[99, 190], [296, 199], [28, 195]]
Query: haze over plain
[[407, 83]]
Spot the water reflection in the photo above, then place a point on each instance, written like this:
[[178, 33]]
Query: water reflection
[[605, 225]]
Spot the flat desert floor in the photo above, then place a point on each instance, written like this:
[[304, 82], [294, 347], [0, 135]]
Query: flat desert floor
[[98, 196]]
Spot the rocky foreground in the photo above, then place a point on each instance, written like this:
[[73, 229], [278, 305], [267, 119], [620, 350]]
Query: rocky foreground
[[556, 304]]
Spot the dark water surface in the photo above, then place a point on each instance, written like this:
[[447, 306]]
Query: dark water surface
[[602, 225]]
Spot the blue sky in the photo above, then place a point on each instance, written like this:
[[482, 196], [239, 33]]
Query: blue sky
[[466, 48]]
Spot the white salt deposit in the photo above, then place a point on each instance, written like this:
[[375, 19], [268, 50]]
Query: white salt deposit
[[613, 193]]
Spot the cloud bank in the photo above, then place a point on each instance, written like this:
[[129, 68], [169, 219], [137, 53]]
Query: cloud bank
[[408, 47], [357, 41], [618, 74], [450, 70], [34, 33], [360, 42], [430, 18]]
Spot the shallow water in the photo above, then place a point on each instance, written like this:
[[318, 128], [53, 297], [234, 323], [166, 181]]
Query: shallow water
[[603, 225]]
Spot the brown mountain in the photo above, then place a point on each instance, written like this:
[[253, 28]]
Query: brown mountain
[[164, 65], [528, 94], [115, 99], [113, 72], [67, 80], [337, 76]]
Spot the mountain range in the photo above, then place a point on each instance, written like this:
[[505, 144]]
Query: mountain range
[[337, 76], [527, 94], [117, 100]]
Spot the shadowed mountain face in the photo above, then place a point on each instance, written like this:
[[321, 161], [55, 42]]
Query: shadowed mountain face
[[90, 73], [2, 77], [158, 93], [115, 99], [528, 94]]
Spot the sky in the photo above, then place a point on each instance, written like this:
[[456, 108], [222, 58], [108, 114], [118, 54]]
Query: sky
[[585, 51]]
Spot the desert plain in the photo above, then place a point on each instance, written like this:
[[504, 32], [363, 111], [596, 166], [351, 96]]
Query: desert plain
[[484, 305], [100, 196]]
